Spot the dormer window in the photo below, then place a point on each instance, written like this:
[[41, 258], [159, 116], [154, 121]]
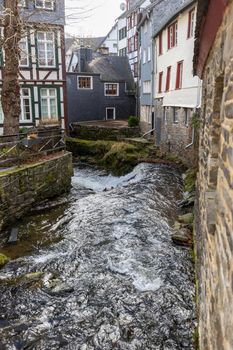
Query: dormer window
[[45, 4]]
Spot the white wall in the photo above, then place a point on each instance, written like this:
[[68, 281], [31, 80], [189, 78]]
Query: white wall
[[111, 41], [188, 95]]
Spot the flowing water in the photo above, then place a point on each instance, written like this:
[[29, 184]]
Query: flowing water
[[101, 272]]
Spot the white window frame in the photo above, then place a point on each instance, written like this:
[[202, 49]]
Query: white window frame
[[48, 98], [45, 41], [144, 56], [22, 118], [44, 6], [24, 40], [146, 87], [83, 88], [148, 54], [114, 112], [105, 88]]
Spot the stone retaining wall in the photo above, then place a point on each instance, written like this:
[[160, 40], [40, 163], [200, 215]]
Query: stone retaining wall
[[92, 132], [23, 187], [214, 223]]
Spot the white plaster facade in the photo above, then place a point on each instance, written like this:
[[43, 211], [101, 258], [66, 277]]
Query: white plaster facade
[[188, 96], [111, 41]]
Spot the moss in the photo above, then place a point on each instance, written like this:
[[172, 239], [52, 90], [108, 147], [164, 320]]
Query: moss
[[3, 260], [196, 338], [190, 180]]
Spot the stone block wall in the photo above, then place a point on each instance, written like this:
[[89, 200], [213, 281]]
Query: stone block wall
[[92, 132], [23, 187], [175, 136], [214, 219]]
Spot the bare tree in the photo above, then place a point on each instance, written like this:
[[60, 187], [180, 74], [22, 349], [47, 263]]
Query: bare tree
[[14, 25], [11, 88]]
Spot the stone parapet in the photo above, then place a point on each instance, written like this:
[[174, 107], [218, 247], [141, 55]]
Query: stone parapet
[[26, 186]]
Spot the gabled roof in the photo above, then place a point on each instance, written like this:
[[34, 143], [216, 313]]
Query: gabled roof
[[165, 10], [112, 69], [105, 37], [77, 42]]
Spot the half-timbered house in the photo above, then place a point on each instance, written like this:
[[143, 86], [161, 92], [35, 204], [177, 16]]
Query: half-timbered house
[[42, 64]]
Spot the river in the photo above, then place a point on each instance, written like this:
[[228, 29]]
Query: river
[[101, 272]]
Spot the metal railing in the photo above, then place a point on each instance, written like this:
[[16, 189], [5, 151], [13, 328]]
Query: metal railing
[[16, 150]]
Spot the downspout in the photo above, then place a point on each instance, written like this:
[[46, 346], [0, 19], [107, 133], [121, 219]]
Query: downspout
[[153, 53], [197, 105]]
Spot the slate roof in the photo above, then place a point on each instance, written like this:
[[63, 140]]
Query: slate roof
[[165, 10], [112, 69], [76, 42]]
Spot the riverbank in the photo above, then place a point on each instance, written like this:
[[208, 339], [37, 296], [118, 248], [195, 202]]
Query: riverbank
[[113, 278], [119, 158]]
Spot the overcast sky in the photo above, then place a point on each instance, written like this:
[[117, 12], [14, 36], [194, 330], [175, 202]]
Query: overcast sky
[[91, 17]]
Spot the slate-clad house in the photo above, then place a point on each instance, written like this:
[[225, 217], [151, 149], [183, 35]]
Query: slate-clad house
[[42, 65], [146, 69], [102, 89]]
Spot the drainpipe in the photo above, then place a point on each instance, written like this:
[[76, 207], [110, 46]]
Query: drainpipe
[[197, 105], [153, 55]]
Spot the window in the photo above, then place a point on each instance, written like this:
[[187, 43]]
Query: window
[[179, 75], [160, 82], [135, 69], [22, 3], [85, 83], [135, 42], [44, 4], [168, 78], [160, 43], [26, 105], [48, 99], [115, 46], [123, 52], [111, 89], [131, 44], [191, 23], [46, 49], [175, 115], [149, 54], [172, 35], [110, 113], [122, 33], [146, 87], [144, 56], [24, 55]]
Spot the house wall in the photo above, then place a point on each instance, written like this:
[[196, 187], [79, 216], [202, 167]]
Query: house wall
[[214, 219], [121, 23], [146, 71], [88, 105], [176, 134], [111, 41], [35, 77]]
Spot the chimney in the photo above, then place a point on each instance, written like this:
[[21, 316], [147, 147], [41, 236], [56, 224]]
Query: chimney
[[103, 50]]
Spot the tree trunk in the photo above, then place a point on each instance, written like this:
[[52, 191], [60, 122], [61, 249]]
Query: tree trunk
[[11, 88]]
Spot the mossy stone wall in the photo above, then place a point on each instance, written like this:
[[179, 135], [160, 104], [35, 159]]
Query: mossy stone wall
[[23, 187], [92, 132]]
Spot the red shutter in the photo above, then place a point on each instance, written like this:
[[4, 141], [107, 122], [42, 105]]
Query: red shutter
[[168, 78], [160, 81], [168, 38]]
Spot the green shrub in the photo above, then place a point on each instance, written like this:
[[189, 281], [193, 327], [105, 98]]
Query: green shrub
[[133, 121]]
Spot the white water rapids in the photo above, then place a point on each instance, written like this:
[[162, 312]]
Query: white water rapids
[[114, 280]]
